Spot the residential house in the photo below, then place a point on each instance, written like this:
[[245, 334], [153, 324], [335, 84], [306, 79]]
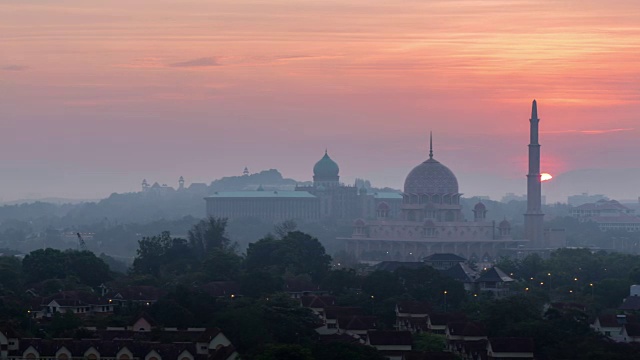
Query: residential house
[[296, 288], [120, 344], [460, 332], [317, 304], [443, 261], [428, 355], [331, 315], [494, 281], [392, 344], [463, 273], [610, 325], [510, 348], [357, 325], [631, 333], [412, 316], [437, 322], [80, 303], [140, 294]]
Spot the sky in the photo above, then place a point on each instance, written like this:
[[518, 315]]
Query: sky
[[97, 95]]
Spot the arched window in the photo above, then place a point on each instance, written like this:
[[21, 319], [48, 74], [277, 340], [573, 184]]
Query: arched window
[[63, 356], [31, 356], [92, 357], [124, 357]]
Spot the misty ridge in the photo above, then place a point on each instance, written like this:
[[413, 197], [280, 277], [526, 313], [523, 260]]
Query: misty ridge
[[115, 224]]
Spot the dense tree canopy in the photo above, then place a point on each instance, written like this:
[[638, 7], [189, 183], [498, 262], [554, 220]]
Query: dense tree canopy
[[296, 253], [49, 263]]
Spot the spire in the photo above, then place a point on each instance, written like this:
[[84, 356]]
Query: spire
[[430, 144], [534, 110]]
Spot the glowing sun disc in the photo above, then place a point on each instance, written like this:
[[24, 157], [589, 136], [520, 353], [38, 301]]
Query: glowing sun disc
[[545, 177]]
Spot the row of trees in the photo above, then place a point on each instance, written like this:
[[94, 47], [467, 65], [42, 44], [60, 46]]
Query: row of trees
[[598, 278]]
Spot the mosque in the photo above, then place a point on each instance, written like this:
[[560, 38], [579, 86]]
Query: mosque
[[431, 220], [424, 219]]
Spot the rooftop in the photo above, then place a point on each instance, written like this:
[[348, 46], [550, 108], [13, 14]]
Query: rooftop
[[261, 194]]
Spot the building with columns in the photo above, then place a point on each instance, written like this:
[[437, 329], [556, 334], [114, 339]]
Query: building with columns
[[325, 199], [430, 221]]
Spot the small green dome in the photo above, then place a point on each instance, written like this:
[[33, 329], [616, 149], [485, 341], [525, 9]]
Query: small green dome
[[326, 168]]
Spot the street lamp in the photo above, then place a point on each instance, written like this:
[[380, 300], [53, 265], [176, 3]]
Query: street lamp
[[372, 305], [445, 301], [591, 285], [29, 314]]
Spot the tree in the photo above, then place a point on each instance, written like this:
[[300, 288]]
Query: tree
[[209, 234], [338, 281], [163, 255], [221, 264], [10, 275], [44, 264], [297, 253], [285, 228], [151, 254], [429, 342], [87, 267]]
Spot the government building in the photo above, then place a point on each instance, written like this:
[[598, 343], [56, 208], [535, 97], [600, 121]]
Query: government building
[[325, 199]]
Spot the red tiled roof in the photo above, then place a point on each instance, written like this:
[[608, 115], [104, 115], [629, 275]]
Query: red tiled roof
[[630, 303], [511, 345], [139, 293], [333, 312], [428, 355], [390, 338], [466, 328], [357, 322], [318, 302], [633, 329], [443, 319], [414, 307]]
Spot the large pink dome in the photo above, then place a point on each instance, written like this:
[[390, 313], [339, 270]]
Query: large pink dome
[[431, 177]]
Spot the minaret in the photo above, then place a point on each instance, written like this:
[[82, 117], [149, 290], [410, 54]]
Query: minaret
[[431, 145], [533, 219]]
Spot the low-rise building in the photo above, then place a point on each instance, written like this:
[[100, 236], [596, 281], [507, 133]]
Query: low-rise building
[[392, 344], [510, 348], [123, 344]]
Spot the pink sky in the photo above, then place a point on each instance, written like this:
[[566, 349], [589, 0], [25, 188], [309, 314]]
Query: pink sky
[[97, 95]]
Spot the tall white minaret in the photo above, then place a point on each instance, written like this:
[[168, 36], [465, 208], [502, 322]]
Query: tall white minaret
[[533, 219]]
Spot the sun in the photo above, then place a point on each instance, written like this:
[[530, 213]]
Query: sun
[[545, 177]]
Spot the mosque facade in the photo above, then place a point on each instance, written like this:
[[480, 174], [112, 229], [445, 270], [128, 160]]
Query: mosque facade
[[430, 221]]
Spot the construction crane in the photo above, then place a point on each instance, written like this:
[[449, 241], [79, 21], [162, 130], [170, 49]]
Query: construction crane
[[83, 245]]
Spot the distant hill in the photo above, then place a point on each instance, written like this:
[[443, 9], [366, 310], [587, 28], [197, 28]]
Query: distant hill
[[267, 178], [50, 200]]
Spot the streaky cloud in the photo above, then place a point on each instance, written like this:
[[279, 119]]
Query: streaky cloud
[[15, 67], [200, 62], [589, 132]]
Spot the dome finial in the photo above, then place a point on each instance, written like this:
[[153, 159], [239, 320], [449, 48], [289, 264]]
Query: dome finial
[[430, 144]]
